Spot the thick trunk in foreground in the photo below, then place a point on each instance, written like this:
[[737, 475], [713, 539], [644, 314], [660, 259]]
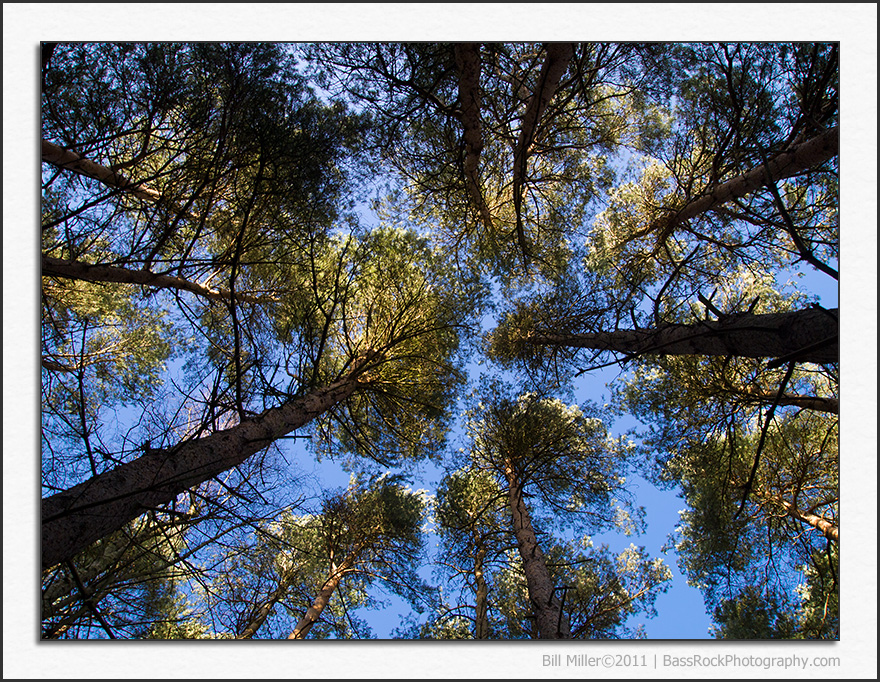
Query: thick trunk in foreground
[[786, 164], [809, 335], [56, 267], [75, 518], [314, 613], [549, 619]]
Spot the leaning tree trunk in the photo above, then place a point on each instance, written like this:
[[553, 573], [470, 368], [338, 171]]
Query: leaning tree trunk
[[555, 65], [820, 523], [75, 518], [790, 162], [69, 269], [263, 610], [549, 618], [806, 402], [67, 159], [316, 609], [467, 59], [809, 335], [70, 160]]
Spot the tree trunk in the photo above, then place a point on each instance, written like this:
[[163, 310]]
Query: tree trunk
[[70, 160], [558, 57], [56, 267], [809, 335], [807, 402], [549, 618], [467, 59], [828, 529], [113, 550], [314, 613], [263, 611], [481, 628], [75, 518], [798, 158]]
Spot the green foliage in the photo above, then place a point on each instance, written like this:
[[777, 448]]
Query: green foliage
[[570, 476], [371, 532], [813, 613], [732, 537], [395, 297], [560, 453], [126, 585], [752, 615]]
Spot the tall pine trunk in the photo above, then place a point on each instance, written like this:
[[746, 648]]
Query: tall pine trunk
[[316, 609], [467, 59], [57, 267], [481, 618], [555, 65], [549, 618], [263, 610], [75, 518], [804, 335], [790, 162]]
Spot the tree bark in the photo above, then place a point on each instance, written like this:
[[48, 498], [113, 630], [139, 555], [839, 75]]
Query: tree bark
[[807, 402], [113, 550], [314, 613], [56, 267], [558, 57], [549, 618], [263, 611], [809, 335], [467, 59], [75, 518], [786, 164], [828, 529], [70, 160], [481, 629]]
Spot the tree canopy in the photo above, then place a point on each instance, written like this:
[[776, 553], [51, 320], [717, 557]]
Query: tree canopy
[[387, 250]]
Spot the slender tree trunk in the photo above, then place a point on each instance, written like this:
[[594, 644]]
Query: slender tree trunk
[[807, 402], [549, 618], [263, 610], [558, 57], [314, 613], [808, 335], [481, 629], [801, 157], [75, 518], [467, 59], [827, 528], [56, 267], [70, 160]]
